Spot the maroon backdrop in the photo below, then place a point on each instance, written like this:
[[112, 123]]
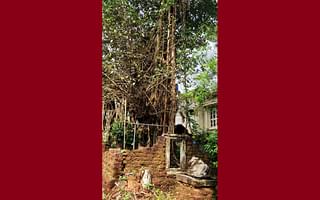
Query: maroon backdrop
[[50, 83], [268, 100]]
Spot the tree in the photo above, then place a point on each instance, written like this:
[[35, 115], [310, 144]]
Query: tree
[[198, 78], [143, 42]]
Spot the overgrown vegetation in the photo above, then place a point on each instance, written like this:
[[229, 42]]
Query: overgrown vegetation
[[199, 85], [146, 44], [121, 191], [149, 48], [116, 135], [160, 195], [209, 144]]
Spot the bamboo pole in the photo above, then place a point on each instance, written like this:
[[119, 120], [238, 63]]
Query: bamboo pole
[[134, 136], [149, 139], [124, 124]]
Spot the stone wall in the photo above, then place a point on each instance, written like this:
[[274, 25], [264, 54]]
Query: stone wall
[[130, 163], [111, 168], [152, 158]]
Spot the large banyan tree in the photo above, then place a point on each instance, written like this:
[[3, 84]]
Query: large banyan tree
[[141, 43]]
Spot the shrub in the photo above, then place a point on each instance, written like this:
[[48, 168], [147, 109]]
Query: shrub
[[209, 143], [116, 134]]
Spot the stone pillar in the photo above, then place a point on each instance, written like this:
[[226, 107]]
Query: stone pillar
[[183, 159], [168, 152]]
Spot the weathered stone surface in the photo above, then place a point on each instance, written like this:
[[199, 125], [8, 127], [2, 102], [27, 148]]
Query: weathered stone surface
[[112, 164], [146, 178], [196, 182], [193, 149], [197, 168], [152, 158], [130, 163]]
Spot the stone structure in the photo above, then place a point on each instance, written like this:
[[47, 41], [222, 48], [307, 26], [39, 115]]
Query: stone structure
[[196, 182], [146, 178], [111, 167], [187, 150], [195, 173], [152, 158], [197, 168], [131, 163], [182, 149]]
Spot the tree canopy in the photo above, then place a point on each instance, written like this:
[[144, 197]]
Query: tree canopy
[[147, 47]]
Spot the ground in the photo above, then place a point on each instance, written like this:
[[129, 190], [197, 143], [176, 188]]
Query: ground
[[129, 188]]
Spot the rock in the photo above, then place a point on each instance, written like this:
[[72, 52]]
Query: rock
[[146, 178], [197, 168], [196, 182]]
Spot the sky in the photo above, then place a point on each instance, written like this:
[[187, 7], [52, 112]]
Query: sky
[[210, 52]]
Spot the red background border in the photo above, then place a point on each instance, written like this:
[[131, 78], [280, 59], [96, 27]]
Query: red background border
[[50, 100], [268, 100]]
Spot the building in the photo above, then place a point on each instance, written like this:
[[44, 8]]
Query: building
[[205, 115]]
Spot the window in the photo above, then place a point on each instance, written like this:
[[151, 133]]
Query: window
[[213, 118]]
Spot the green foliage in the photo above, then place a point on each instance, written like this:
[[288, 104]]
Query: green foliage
[[209, 144], [116, 134], [149, 186], [104, 195], [208, 141], [160, 195], [127, 196], [206, 85], [195, 128], [199, 25], [129, 26], [123, 178], [211, 147]]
